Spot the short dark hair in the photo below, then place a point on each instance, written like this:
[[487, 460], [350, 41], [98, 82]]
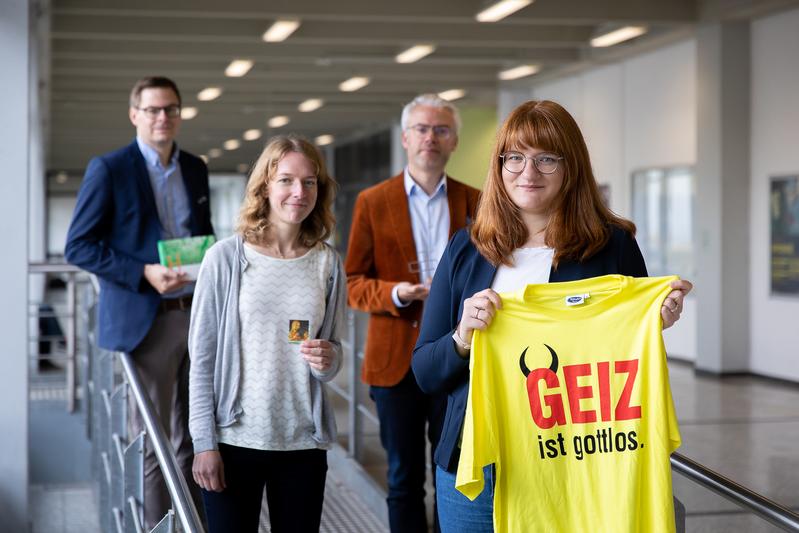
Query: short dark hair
[[150, 82]]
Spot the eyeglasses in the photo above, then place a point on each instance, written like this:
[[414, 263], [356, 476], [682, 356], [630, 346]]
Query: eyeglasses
[[172, 111], [516, 161], [442, 132]]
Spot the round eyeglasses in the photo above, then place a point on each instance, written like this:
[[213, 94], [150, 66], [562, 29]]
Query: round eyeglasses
[[516, 161], [172, 111], [442, 132]]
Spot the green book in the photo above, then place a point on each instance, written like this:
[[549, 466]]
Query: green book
[[185, 254]]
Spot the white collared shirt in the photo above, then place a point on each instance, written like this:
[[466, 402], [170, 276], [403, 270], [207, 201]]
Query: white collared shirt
[[430, 225]]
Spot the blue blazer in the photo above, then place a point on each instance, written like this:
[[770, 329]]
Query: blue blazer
[[462, 272], [114, 233]]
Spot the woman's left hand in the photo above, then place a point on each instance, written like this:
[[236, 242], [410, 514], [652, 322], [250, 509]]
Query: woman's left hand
[[318, 353], [672, 305]]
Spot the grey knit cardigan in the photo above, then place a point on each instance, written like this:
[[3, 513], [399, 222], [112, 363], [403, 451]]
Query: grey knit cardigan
[[215, 346]]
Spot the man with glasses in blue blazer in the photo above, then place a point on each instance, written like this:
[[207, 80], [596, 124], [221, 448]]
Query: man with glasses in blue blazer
[[129, 200]]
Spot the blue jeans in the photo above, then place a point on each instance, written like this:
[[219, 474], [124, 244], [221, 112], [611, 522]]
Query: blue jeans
[[458, 514], [404, 411]]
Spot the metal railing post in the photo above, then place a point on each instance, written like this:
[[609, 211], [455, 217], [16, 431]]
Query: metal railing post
[[354, 442], [104, 439], [118, 422], [72, 336], [134, 484]]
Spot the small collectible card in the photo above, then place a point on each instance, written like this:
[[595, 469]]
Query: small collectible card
[[298, 330]]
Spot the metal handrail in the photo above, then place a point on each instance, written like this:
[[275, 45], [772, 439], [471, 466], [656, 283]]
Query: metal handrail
[[52, 268], [72, 321], [175, 482], [178, 488], [765, 508]]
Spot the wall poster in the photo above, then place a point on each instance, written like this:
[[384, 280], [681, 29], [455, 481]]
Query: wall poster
[[784, 209]]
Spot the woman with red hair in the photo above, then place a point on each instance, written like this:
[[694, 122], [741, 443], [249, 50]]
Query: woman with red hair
[[540, 219]]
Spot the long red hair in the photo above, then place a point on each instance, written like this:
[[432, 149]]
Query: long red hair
[[580, 223]]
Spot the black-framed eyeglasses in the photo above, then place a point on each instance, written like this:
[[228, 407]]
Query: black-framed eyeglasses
[[516, 161], [172, 111], [442, 132]]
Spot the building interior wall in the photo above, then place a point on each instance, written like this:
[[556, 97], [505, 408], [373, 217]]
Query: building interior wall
[[634, 114], [774, 136], [469, 162]]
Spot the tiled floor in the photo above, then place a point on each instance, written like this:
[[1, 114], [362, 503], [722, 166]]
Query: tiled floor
[[746, 428], [64, 508], [343, 512], [73, 509]]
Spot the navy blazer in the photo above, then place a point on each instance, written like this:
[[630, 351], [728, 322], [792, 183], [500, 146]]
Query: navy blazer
[[462, 272], [114, 232]]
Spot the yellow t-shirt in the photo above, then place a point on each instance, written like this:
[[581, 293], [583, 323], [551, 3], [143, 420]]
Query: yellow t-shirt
[[569, 396]]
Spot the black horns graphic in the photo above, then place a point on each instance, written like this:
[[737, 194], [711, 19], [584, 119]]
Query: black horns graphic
[[553, 367]]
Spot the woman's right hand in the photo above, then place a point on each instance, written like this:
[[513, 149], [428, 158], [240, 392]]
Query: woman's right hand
[[478, 311], [208, 471]]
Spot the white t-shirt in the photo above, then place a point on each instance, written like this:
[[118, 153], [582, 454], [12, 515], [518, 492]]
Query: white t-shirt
[[530, 265]]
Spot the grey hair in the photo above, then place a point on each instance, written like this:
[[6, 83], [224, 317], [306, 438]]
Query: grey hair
[[432, 100]]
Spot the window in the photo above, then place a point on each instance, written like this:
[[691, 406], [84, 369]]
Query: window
[[663, 211]]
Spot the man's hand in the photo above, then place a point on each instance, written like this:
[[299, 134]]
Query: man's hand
[[208, 471], [164, 279], [408, 292]]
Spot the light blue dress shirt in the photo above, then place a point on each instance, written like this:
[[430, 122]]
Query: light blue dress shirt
[[430, 225], [171, 199]]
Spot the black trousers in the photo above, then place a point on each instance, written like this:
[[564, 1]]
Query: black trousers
[[295, 490], [404, 411]]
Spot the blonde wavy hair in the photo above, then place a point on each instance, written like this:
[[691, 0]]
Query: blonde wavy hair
[[253, 221]]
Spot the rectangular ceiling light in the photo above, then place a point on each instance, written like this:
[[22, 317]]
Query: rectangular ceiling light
[[238, 68], [518, 72], [280, 30], [324, 140], [209, 93], [500, 10], [452, 94], [252, 135], [618, 36], [415, 53], [214, 153], [353, 84], [231, 144], [278, 121], [311, 104], [188, 113]]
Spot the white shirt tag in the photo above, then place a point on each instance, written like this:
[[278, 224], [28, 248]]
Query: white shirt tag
[[577, 299]]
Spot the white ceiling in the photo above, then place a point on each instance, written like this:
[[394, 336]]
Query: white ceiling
[[98, 48]]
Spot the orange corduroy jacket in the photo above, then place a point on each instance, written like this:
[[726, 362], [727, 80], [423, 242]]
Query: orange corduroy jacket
[[381, 247]]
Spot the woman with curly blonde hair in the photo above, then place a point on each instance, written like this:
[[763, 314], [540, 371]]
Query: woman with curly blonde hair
[[259, 415]]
